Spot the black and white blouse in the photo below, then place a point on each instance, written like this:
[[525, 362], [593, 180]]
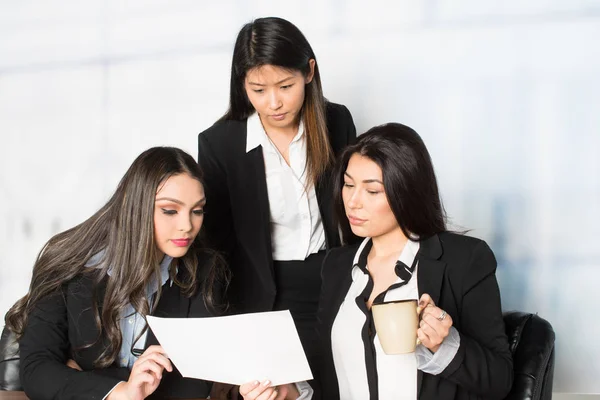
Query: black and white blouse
[[363, 370]]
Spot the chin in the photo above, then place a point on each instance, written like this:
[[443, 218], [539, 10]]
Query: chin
[[359, 231], [176, 252]]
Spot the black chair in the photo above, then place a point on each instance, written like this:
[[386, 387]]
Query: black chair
[[531, 341], [9, 361]]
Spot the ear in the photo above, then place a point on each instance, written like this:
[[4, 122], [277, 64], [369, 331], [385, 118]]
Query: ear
[[311, 74]]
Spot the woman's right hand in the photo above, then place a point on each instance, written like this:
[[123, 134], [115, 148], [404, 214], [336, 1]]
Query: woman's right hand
[[145, 376], [256, 390]]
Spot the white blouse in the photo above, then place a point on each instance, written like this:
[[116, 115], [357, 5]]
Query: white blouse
[[361, 366], [296, 227]]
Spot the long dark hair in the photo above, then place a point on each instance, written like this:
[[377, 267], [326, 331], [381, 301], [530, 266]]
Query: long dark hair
[[123, 232], [275, 41], [408, 179]]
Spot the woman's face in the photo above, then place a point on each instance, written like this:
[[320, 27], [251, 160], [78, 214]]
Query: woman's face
[[365, 201], [277, 94], [178, 214]]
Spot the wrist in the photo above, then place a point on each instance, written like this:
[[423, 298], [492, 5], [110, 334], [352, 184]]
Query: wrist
[[119, 392]]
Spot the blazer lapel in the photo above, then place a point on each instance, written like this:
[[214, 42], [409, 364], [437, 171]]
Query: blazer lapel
[[430, 276], [253, 189], [324, 192]]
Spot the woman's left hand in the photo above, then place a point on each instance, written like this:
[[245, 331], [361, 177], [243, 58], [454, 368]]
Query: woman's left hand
[[434, 325]]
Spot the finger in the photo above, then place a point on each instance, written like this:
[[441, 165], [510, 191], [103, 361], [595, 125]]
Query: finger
[[155, 348], [433, 335], [423, 338], [262, 391], [246, 388], [424, 301], [441, 326], [274, 394], [144, 378], [158, 358], [148, 366], [283, 392], [73, 364]]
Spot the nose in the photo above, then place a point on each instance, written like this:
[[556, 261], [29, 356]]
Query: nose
[[353, 199], [185, 223], [274, 100]]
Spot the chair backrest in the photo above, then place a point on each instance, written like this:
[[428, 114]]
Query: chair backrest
[[531, 341], [9, 361]]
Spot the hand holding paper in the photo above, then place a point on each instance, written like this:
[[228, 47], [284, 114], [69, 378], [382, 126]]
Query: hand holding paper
[[235, 349]]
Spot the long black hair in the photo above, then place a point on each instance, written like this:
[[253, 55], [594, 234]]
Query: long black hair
[[275, 41], [408, 179]]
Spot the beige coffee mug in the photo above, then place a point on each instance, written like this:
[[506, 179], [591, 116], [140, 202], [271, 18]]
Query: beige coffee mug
[[396, 323]]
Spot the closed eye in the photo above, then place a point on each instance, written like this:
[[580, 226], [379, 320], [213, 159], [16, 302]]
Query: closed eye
[[198, 212], [168, 212]]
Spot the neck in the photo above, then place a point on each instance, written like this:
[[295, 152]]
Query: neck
[[389, 244]]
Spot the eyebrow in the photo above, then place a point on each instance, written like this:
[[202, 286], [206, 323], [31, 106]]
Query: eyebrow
[[201, 201], [276, 83], [366, 180]]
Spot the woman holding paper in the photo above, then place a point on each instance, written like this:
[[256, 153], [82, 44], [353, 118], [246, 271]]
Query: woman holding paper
[[81, 326], [267, 165], [386, 192]]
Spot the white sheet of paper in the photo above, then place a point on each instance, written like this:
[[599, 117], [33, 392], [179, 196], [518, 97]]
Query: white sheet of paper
[[235, 349]]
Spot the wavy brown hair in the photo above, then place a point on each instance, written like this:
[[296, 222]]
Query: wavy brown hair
[[122, 231], [275, 41]]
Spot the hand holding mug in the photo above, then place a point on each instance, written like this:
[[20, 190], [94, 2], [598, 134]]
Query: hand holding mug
[[435, 324]]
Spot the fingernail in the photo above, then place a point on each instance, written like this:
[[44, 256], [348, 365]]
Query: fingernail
[[266, 383], [419, 310]]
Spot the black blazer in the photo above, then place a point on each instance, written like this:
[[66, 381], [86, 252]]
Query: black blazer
[[458, 272], [63, 322], [237, 209]]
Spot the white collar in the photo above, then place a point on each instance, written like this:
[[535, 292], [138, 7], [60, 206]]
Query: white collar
[[256, 135], [407, 256]]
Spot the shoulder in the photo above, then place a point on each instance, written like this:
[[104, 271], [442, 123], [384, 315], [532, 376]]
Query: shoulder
[[225, 140], [224, 127], [467, 256], [337, 112], [452, 241], [340, 125], [223, 131], [339, 259]]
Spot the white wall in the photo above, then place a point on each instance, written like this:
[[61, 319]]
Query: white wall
[[505, 94]]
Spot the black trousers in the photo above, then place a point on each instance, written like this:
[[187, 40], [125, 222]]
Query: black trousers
[[298, 289]]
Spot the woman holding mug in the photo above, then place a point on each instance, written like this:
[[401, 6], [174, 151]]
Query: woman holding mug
[[386, 193]]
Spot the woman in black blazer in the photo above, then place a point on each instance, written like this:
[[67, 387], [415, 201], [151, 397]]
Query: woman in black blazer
[[386, 192], [267, 166], [81, 326]]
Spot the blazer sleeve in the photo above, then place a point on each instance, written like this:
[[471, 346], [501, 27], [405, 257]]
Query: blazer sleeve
[[218, 221], [44, 351], [483, 362], [350, 128]]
